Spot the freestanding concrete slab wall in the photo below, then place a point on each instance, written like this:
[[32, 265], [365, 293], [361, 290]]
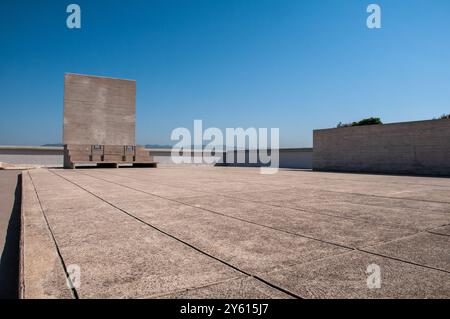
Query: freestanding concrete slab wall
[[402, 148], [99, 111]]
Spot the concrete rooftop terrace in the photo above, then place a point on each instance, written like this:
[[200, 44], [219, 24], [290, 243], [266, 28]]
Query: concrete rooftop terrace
[[208, 232]]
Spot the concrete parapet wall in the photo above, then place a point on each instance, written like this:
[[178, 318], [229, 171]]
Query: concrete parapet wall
[[53, 156], [401, 148]]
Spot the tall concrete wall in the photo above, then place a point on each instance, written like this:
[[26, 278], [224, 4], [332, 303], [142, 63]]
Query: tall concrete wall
[[401, 148], [99, 110]]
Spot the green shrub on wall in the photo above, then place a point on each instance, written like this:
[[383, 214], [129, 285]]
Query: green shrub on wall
[[368, 121]]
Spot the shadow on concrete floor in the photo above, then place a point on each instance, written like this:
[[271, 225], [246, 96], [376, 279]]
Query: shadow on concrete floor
[[10, 259]]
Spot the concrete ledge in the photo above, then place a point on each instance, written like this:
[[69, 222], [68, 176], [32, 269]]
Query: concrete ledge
[[42, 274]]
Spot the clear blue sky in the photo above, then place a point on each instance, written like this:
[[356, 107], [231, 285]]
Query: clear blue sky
[[296, 65]]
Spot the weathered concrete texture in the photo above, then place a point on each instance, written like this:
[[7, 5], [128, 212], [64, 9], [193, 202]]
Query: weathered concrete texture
[[118, 256], [99, 110], [349, 232], [242, 288], [346, 276], [424, 249], [247, 246], [442, 230], [212, 232], [42, 272], [407, 148], [348, 207]]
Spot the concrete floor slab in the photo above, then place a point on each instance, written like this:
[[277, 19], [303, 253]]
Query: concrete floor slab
[[424, 249], [249, 247], [348, 232], [240, 244], [346, 276], [343, 231], [445, 230], [232, 240], [121, 257], [395, 190], [351, 207], [242, 288], [387, 216], [213, 232]]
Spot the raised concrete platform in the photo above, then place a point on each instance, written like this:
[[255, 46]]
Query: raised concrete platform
[[210, 232]]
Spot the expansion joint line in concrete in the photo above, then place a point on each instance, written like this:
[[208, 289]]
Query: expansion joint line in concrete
[[384, 182], [365, 180], [61, 259], [405, 261], [261, 225], [333, 215], [433, 230], [395, 198], [363, 220], [295, 234], [425, 231], [184, 242], [362, 249], [193, 288], [224, 215], [439, 234], [372, 195]]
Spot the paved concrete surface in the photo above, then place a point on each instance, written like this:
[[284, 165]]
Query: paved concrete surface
[[208, 232], [10, 197]]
